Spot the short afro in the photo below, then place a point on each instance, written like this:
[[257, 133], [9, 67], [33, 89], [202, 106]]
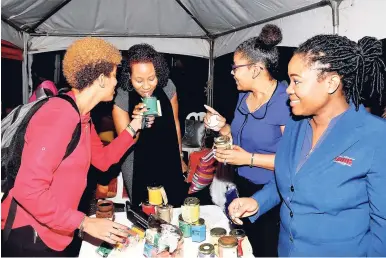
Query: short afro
[[86, 59]]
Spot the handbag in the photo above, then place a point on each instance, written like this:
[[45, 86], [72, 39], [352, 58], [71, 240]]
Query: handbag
[[202, 166], [194, 132]]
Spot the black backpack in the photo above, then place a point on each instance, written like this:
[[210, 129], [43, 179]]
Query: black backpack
[[13, 130]]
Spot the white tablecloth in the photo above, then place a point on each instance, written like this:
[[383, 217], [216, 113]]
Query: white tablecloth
[[213, 215]]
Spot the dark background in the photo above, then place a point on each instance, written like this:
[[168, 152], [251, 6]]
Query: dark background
[[189, 74]]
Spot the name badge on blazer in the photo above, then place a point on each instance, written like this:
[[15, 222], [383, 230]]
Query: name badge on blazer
[[344, 160]]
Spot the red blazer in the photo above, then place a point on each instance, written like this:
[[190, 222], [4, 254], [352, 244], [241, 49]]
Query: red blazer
[[49, 189]]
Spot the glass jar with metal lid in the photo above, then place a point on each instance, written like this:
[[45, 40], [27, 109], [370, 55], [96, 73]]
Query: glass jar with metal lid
[[240, 235], [227, 247], [215, 234], [206, 251], [191, 209], [223, 142]]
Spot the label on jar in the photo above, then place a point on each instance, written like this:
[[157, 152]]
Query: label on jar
[[227, 252]]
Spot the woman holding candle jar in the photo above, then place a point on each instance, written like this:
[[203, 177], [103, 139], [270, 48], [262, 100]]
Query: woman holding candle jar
[[256, 129], [48, 188], [157, 160]]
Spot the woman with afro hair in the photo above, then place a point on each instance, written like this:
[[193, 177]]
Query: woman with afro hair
[[157, 159], [47, 188]]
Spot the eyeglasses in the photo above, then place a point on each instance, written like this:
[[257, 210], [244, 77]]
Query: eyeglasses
[[234, 67]]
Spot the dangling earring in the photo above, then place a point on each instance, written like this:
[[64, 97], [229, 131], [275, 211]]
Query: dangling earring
[[101, 85]]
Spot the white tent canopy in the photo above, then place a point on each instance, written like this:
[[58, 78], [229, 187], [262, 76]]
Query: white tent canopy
[[204, 28]]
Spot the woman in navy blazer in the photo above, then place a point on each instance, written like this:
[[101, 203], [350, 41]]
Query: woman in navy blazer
[[331, 162]]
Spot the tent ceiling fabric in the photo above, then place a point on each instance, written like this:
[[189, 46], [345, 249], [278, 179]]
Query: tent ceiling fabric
[[10, 34], [222, 16], [148, 17], [133, 21], [192, 47], [26, 13]]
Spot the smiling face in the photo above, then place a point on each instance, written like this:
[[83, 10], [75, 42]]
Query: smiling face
[[308, 93], [243, 74], [144, 78]]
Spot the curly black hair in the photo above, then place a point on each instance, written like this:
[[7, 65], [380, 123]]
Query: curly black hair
[[144, 53], [263, 48], [356, 63]]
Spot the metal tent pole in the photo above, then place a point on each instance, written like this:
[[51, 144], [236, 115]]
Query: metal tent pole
[[335, 14], [209, 89], [25, 68]]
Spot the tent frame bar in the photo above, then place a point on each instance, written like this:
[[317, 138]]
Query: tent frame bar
[[48, 15], [322, 3], [210, 83], [208, 34], [25, 89], [114, 35], [10, 23]]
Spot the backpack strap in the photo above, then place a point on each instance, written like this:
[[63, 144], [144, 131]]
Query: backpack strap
[[70, 148], [76, 134], [9, 222]]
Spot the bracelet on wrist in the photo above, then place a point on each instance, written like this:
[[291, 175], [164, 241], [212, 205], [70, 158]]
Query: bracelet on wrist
[[251, 165], [132, 130], [181, 154]]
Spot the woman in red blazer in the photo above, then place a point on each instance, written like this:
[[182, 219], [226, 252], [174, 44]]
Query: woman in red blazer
[[47, 189]]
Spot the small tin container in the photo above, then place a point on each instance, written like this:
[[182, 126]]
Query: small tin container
[[105, 209], [222, 142], [148, 208], [227, 247], [199, 231], [156, 195], [165, 212], [206, 251], [191, 209], [240, 235], [185, 227]]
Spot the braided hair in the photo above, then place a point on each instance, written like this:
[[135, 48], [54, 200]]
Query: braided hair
[[357, 64], [144, 53], [263, 48]]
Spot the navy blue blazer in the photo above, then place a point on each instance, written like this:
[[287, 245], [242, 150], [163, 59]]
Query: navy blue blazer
[[335, 205]]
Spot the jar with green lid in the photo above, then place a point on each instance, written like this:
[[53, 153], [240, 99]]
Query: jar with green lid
[[227, 247], [206, 251]]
